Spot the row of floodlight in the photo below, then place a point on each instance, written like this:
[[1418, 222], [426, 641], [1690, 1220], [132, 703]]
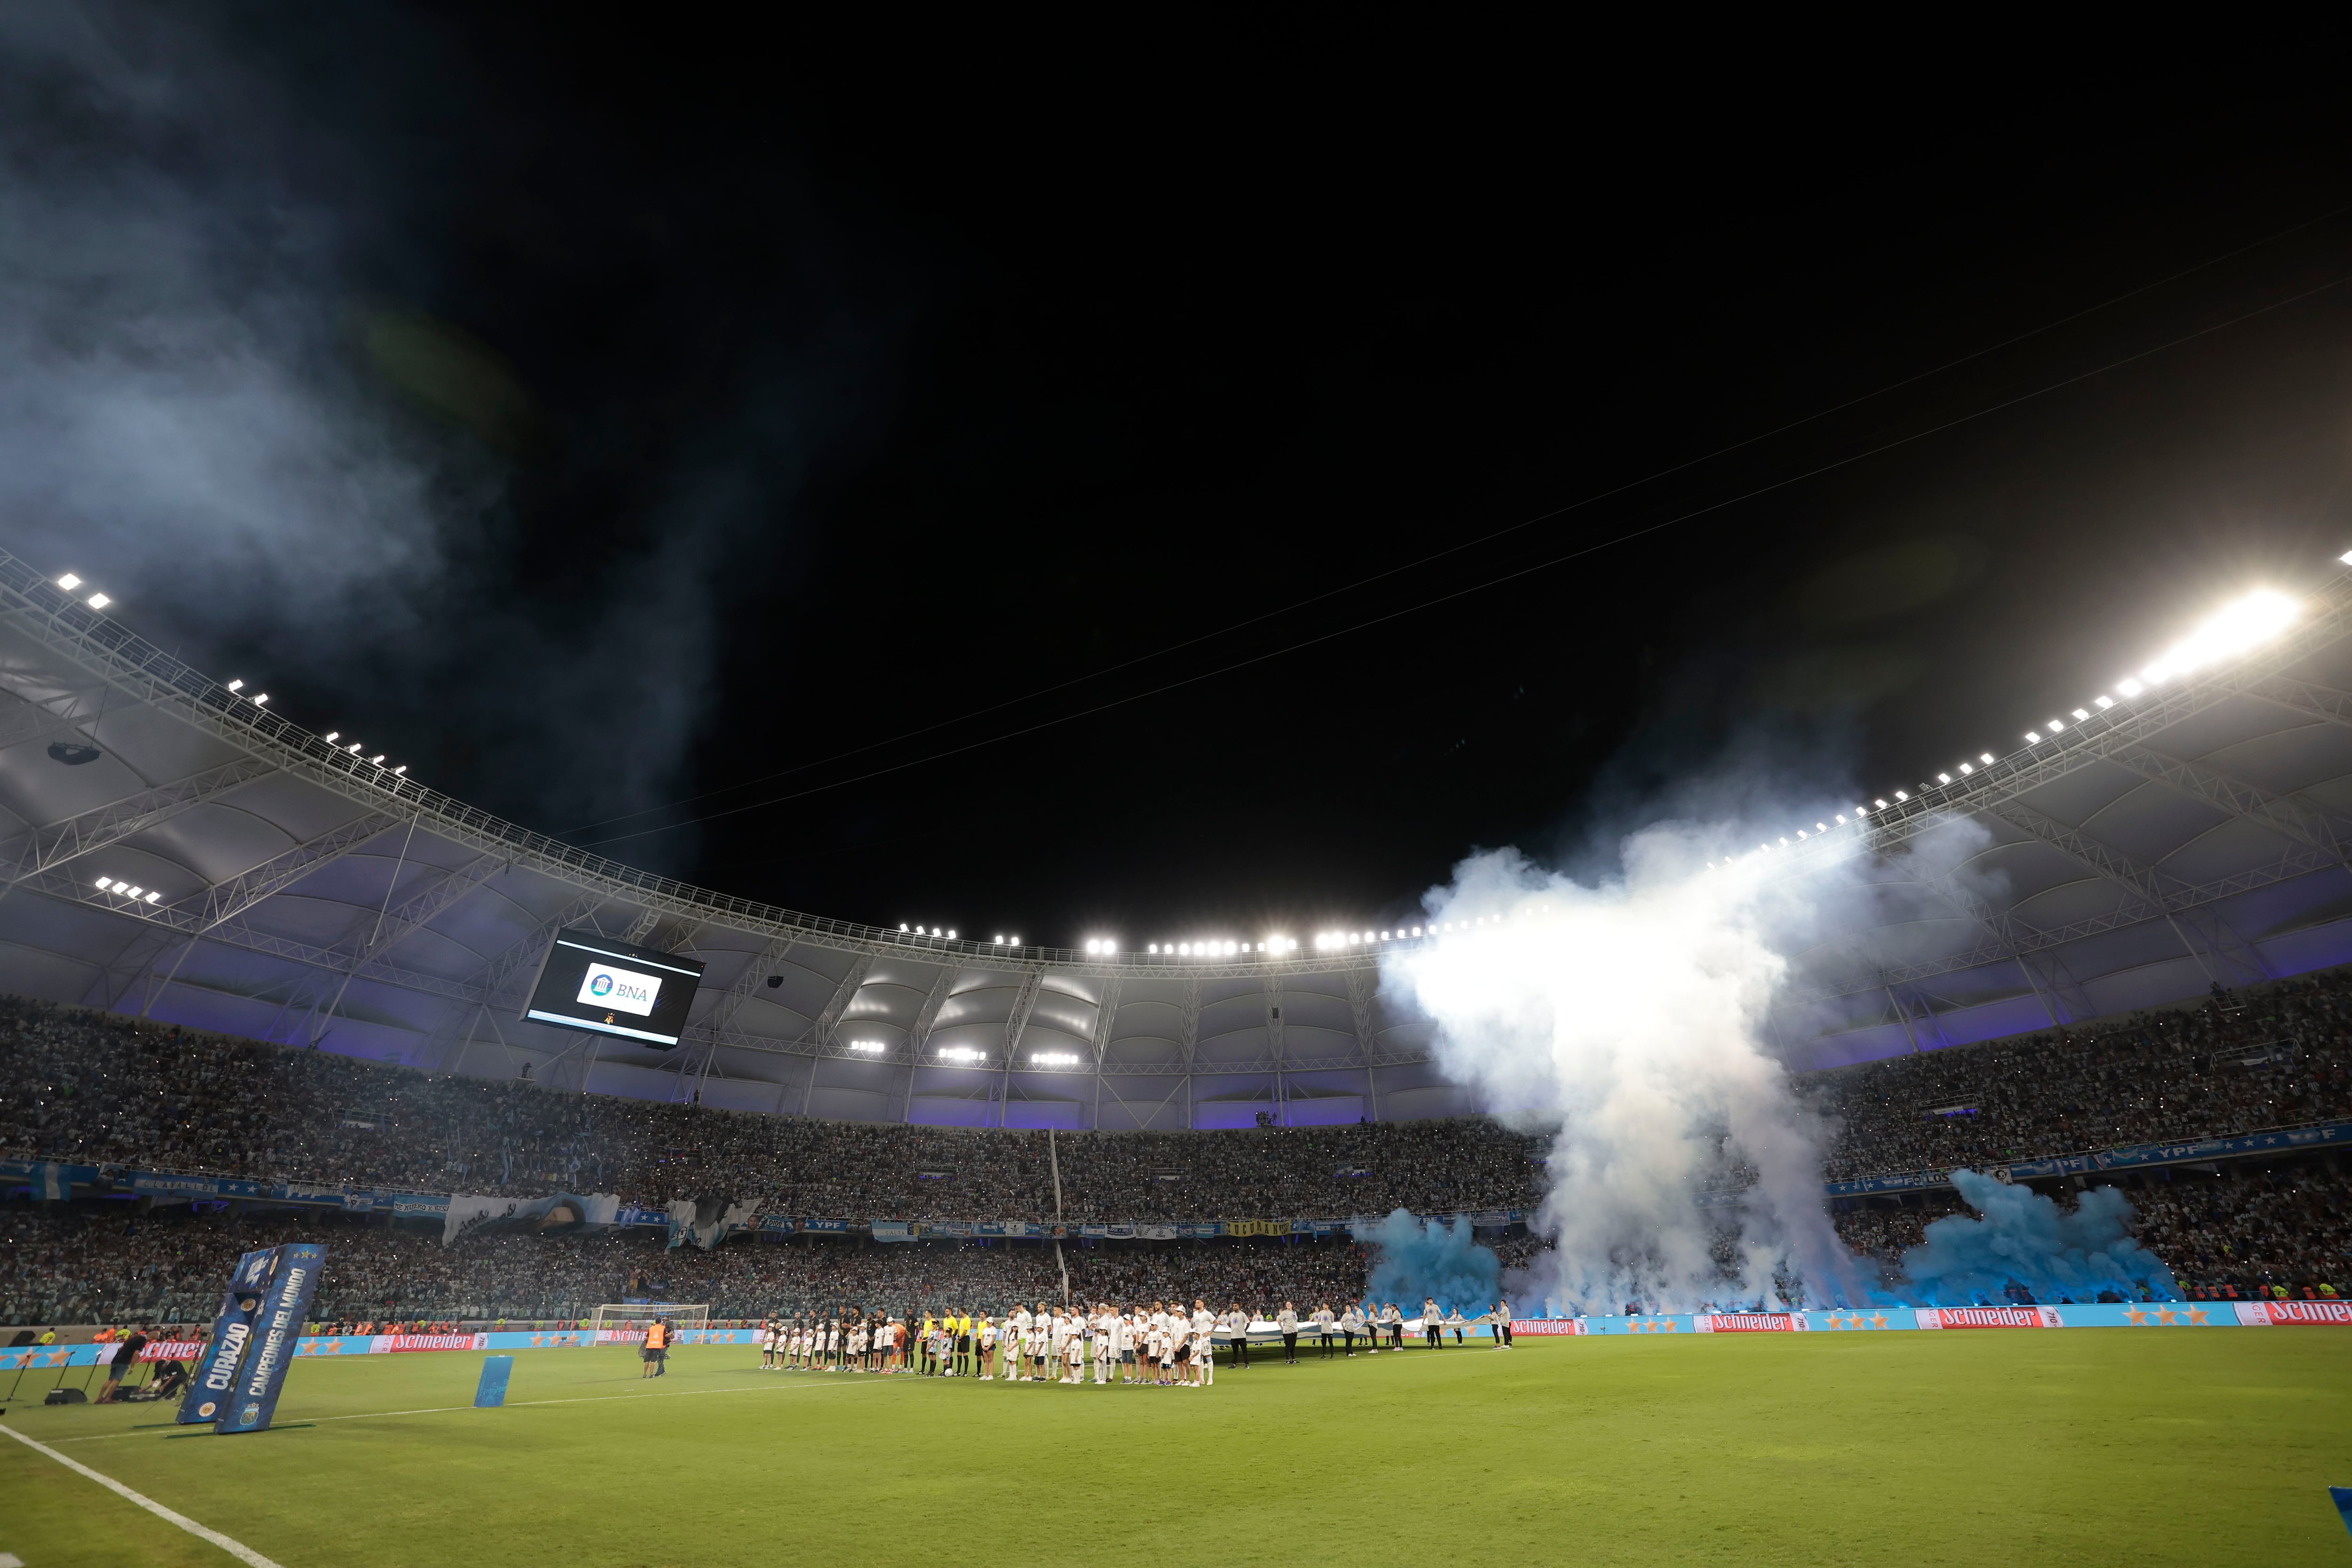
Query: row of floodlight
[[137, 895], [967, 1056], [2237, 628], [72, 583]]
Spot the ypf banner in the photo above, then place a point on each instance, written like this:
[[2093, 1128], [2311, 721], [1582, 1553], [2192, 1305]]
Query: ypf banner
[[278, 1328], [207, 1394]]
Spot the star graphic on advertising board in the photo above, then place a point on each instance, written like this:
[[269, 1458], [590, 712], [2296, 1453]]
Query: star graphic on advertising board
[[537, 1341], [2136, 1318], [2166, 1316], [2197, 1316]]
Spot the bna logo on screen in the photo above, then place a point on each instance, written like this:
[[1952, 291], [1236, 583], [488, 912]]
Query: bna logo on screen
[[605, 986]]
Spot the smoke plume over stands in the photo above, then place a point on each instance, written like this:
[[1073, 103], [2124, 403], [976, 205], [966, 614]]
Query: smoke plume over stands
[[1627, 1014], [1420, 1259], [2024, 1238], [233, 396]]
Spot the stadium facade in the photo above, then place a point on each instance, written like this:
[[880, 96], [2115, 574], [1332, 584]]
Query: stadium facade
[[178, 849]]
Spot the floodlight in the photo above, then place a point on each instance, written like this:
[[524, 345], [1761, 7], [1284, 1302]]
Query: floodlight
[[236, 685], [1784, 842], [353, 748], [1153, 948], [952, 938], [1882, 804], [1985, 757], [1943, 778], [902, 924], [1801, 832], [1824, 827], [2053, 726], [1902, 794], [2128, 687], [866, 1045], [400, 769], [1184, 949], [2082, 713], [2238, 626], [1841, 818], [262, 700], [68, 582], [2346, 558], [99, 601], [337, 734], [106, 881], [152, 897], [2103, 701], [1417, 930], [1053, 1059], [376, 761], [133, 892], [1966, 768], [2033, 738]]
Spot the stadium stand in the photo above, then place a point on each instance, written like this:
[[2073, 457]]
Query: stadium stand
[[93, 1088]]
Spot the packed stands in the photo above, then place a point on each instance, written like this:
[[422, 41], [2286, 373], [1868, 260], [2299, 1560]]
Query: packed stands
[[91, 1088], [2279, 1057], [108, 1262], [94, 1090]]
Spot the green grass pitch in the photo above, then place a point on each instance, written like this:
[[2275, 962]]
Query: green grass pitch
[[2080, 1447]]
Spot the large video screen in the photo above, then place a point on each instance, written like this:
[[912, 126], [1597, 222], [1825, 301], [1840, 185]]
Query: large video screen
[[607, 987]]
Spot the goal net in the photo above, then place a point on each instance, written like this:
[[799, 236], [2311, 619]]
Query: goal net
[[637, 1314]]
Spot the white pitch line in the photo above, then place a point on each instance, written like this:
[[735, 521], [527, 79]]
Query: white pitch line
[[235, 1548], [511, 1404]]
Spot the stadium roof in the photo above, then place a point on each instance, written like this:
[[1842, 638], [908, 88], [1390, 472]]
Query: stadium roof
[[178, 849]]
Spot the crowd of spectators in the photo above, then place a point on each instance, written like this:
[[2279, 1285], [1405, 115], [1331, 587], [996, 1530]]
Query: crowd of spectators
[[108, 1261], [2237, 1230], [90, 1088], [2277, 1055]]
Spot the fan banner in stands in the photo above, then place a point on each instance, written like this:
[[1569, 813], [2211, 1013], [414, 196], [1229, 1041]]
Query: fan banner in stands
[[471, 1213], [826, 1227], [1990, 1318], [215, 1372], [1124, 1232], [1748, 1323], [893, 1230], [2270, 1314], [276, 1330], [950, 1227], [707, 1222], [1155, 1232]]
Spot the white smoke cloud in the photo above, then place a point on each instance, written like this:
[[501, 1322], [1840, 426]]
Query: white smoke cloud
[[1631, 1012]]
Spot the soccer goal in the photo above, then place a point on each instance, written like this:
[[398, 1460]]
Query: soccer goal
[[637, 1314]]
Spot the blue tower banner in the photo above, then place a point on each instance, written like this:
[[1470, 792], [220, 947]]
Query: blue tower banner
[[492, 1393], [278, 1328], [2342, 1498], [207, 1394]]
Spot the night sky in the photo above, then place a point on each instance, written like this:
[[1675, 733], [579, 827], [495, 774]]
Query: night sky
[[1195, 480]]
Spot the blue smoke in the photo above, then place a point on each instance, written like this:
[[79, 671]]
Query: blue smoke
[[2024, 1238], [1417, 1259]]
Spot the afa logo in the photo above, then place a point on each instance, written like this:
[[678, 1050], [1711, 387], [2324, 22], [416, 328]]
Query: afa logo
[[252, 1412], [208, 1409], [250, 1304], [602, 985]]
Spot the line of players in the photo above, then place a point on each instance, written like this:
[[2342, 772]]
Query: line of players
[[1162, 1345]]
